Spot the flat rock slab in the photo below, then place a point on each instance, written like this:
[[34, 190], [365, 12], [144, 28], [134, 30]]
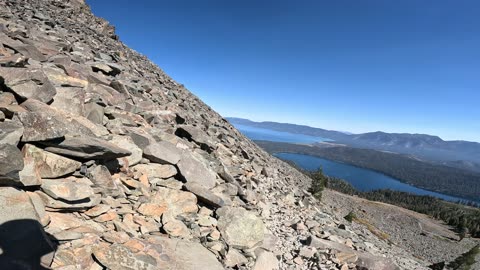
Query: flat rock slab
[[120, 257], [42, 122], [66, 205], [240, 228], [19, 228], [194, 171], [85, 148], [50, 165], [162, 152], [171, 201], [154, 170], [11, 162], [177, 254], [67, 189]]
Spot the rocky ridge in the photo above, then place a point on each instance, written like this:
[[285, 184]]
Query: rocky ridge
[[107, 163]]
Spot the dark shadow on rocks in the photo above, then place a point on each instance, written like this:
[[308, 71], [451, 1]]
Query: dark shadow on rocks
[[24, 245]]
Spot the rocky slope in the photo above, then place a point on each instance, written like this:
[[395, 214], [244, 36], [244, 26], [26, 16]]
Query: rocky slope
[[107, 163], [430, 240]]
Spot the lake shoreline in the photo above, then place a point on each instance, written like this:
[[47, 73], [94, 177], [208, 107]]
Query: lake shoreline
[[423, 191]]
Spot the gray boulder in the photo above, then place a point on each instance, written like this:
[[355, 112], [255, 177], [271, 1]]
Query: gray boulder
[[205, 195], [42, 122], [240, 228], [197, 135], [162, 152], [10, 132], [194, 171], [28, 83], [11, 162], [127, 143]]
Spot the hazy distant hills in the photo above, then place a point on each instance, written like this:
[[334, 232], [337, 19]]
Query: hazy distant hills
[[292, 128], [445, 179], [459, 154]]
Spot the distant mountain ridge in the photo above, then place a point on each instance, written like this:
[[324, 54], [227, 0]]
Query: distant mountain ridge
[[292, 128], [459, 154]]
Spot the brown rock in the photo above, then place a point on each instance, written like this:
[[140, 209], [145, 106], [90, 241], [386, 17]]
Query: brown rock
[[175, 202], [67, 189], [49, 165], [120, 257], [28, 83], [153, 170], [176, 228]]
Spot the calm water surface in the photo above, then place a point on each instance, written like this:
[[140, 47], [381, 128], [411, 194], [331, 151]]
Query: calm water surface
[[255, 133], [361, 179]]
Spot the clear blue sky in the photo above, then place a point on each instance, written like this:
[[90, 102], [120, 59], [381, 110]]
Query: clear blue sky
[[396, 66]]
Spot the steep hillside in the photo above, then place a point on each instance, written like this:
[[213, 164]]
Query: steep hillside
[[107, 163]]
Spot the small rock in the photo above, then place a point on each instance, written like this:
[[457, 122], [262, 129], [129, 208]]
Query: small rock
[[307, 252], [176, 228], [153, 170], [97, 210], [235, 258], [10, 132], [266, 261], [298, 260]]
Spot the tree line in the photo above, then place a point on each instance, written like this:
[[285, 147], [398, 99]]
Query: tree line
[[463, 219], [440, 178]]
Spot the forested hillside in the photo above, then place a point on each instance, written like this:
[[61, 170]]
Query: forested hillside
[[444, 179]]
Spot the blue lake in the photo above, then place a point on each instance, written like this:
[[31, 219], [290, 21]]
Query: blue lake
[[262, 134], [361, 179]]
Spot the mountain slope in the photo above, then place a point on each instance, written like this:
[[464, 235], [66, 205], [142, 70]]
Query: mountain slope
[[460, 154], [108, 163]]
